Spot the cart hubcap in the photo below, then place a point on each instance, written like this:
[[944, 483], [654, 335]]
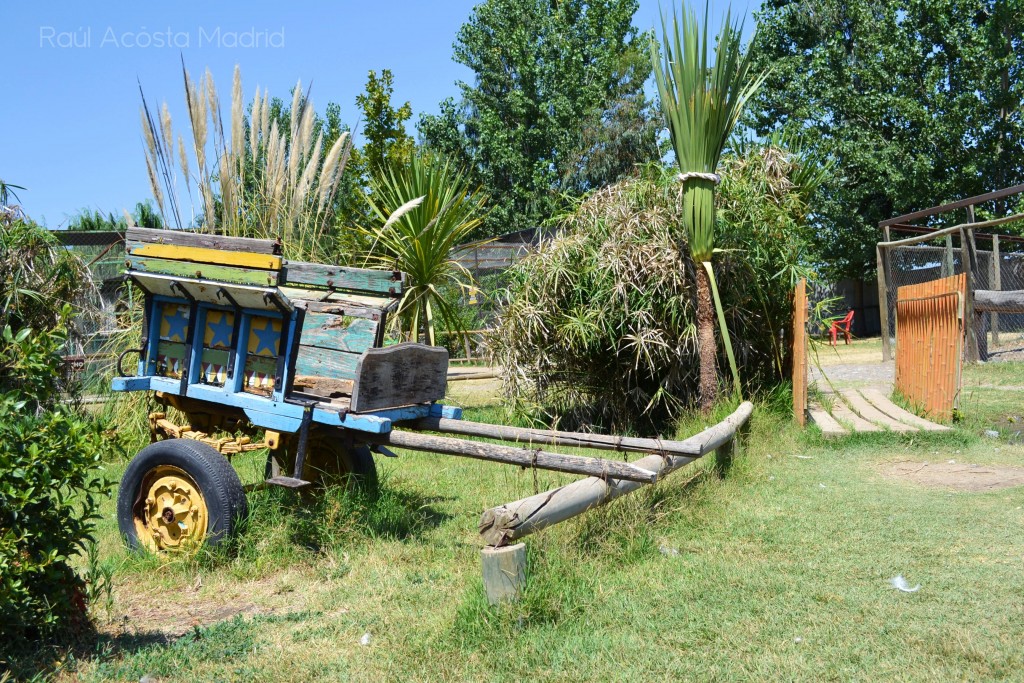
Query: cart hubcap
[[171, 513]]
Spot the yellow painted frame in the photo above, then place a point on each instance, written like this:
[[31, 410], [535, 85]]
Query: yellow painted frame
[[203, 255]]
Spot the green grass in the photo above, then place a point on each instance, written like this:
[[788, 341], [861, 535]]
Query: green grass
[[700, 577]]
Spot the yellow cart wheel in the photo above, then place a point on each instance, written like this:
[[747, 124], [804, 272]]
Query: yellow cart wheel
[[178, 494]]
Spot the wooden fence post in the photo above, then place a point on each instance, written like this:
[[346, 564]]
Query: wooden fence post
[[504, 571], [883, 306], [996, 283], [800, 353]]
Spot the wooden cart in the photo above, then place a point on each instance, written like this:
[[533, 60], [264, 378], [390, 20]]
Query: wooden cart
[[245, 343]]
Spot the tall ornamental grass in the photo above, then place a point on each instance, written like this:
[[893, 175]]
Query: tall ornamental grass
[[252, 178]]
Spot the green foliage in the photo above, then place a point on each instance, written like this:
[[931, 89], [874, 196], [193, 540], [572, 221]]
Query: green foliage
[[600, 324], [37, 277], [423, 211], [144, 216], [7, 190], [919, 101], [383, 125], [49, 488], [543, 73]]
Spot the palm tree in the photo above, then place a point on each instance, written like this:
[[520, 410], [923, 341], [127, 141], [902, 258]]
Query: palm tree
[[425, 209], [701, 105]]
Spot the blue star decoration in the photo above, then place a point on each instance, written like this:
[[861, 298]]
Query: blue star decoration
[[267, 337], [177, 325], [221, 331]]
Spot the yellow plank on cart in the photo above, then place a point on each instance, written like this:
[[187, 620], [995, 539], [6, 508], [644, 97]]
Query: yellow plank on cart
[[202, 255]]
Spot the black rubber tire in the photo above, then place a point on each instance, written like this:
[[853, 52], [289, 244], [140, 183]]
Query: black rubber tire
[[330, 461], [217, 480]]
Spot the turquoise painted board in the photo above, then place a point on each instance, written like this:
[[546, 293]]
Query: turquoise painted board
[[338, 332], [317, 362], [336, 277]]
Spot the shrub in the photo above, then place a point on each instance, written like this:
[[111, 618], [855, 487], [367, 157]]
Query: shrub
[[49, 488], [600, 324], [49, 453], [37, 276]]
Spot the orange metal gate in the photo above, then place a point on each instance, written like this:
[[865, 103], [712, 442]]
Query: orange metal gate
[[929, 344]]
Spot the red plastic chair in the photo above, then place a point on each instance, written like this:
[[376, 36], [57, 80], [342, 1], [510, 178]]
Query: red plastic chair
[[843, 325]]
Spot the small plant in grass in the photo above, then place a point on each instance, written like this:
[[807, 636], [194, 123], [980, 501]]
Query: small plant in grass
[[424, 210], [702, 104]]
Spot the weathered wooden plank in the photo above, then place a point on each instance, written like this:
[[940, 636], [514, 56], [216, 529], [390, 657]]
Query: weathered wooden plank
[[512, 521], [240, 276], [830, 429], [221, 257], [550, 437], [209, 291], [510, 455], [317, 362], [339, 332], [873, 414], [337, 277], [187, 238], [336, 302], [842, 412], [883, 403], [400, 375]]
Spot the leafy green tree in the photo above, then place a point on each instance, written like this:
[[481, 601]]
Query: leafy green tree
[[543, 72], [383, 125], [919, 103], [144, 216]]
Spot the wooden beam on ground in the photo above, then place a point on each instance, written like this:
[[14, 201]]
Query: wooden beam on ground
[[501, 525], [842, 412], [558, 462], [525, 435]]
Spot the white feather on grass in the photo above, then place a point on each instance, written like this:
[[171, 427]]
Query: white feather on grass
[[900, 584]]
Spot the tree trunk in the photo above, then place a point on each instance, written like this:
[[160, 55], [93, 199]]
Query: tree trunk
[[706, 348]]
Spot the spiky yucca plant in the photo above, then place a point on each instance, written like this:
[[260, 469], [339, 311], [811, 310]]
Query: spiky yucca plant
[[702, 104], [424, 210]]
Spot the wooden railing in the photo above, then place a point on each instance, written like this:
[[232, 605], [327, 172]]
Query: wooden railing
[[504, 564]]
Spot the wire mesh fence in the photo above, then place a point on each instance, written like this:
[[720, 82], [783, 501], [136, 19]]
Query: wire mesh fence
[[999, 266], [103, 253]]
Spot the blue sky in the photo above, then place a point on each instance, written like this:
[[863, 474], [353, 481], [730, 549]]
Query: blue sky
[[70, 116]]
